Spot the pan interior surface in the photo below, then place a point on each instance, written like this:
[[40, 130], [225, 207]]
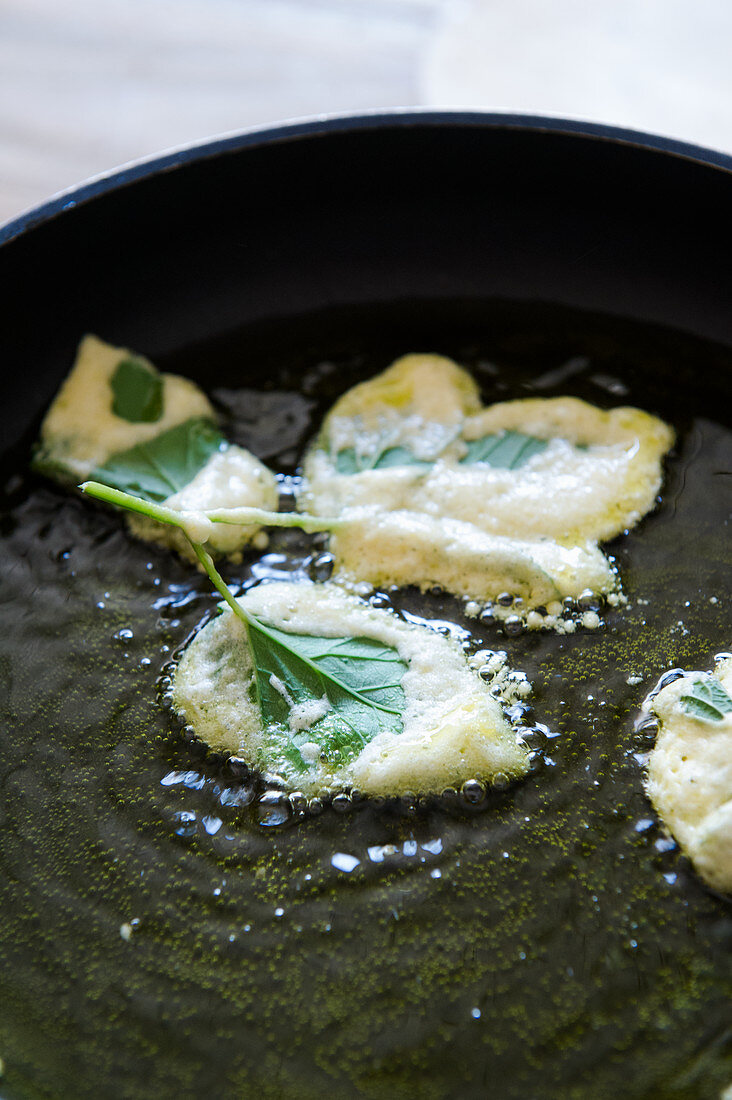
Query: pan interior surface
[[165, 934]]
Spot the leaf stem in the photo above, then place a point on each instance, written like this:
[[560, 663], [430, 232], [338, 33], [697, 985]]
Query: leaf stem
[[243, 516], [121, 499], [219, 583], [239, 517]]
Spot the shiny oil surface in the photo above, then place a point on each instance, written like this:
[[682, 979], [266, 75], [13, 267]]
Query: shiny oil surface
[[162, 935]]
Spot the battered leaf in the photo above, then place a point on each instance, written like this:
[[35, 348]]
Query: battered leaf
[[162, 466], [356, 681], [708, 700]]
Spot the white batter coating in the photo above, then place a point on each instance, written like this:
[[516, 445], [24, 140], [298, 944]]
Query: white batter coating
[[453, 728], [690, 777], [81, 432], [598, 474], [408, 547]]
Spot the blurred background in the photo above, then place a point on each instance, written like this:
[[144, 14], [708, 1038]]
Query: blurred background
[[86, 85]]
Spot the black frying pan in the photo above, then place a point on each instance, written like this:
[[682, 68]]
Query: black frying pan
[[550, 942]]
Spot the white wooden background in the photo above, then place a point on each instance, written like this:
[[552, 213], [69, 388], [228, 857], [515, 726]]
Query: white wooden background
[[86, 85]]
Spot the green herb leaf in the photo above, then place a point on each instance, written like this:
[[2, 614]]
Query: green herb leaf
[[708, 700], [349, 461], [504, 450], [138, 392], [162, 466], [359, 677]]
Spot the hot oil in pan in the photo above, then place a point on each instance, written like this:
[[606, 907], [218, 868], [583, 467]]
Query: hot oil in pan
[[158, 936]]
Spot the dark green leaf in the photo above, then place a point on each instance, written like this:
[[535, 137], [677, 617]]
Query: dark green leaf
[[349, 462], [162, 466], [360, 677], [138, 392], [707, 699], [505, 450]]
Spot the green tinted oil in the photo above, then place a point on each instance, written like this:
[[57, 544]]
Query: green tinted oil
[[159, 939]]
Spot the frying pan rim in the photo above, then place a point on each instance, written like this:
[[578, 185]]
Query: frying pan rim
[[318, 126]]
